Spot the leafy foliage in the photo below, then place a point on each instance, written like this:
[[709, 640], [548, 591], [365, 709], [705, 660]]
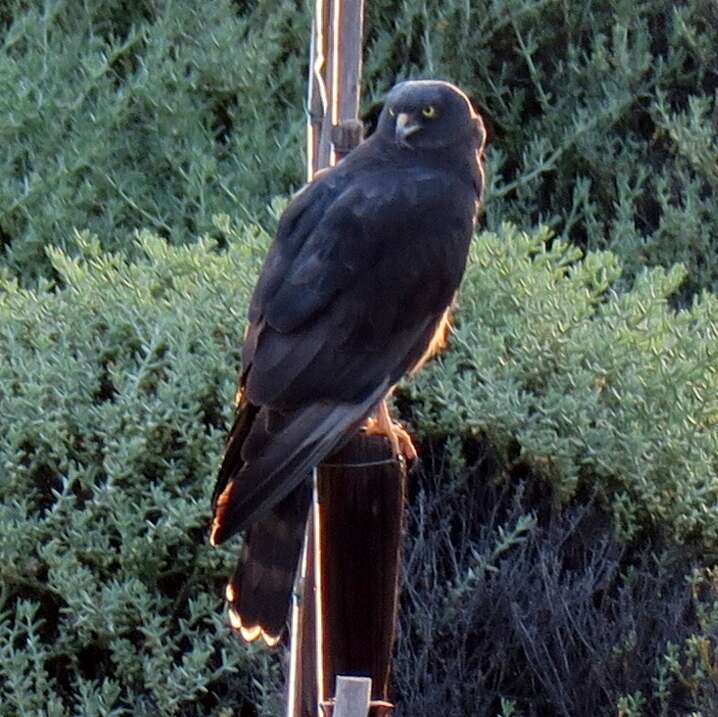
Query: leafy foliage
[[511, 607], [154, 115], [116, 394], [586, 384], [113, 405], [601, 114], [117, 116]]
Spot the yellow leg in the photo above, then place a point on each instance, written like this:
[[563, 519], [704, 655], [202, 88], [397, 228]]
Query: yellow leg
[[382, 424]]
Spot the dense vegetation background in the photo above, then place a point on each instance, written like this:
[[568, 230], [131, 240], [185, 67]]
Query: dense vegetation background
[[561, 550]]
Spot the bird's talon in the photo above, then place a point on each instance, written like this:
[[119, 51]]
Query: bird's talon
[[406, 445], [402, 447]]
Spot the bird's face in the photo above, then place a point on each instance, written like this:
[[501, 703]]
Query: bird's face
[[428, 114]]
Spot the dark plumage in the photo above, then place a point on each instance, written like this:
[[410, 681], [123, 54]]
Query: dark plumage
[[365, 263]]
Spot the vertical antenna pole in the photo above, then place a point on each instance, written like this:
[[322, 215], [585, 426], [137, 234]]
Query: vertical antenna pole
[[345, 601]]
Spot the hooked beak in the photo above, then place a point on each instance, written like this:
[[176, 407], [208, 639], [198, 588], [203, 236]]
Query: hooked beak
[[404, 129]]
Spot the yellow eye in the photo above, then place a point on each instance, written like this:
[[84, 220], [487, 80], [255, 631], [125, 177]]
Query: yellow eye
[[429, 111]]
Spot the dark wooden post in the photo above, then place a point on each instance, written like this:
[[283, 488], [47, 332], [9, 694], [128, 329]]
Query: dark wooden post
[[357, 548], [344, 610]]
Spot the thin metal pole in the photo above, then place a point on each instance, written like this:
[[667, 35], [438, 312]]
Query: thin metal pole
[[298, 597], [333, 129], [317, 98], [318, 620]]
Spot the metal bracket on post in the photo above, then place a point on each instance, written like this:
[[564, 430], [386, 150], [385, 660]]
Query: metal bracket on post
[[353, 699], [345, 136], [353, 695]]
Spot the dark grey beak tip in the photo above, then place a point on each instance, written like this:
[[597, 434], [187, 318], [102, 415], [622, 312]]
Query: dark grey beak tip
[[401, 140]]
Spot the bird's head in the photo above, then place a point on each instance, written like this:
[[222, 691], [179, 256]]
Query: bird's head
[[429, 114]]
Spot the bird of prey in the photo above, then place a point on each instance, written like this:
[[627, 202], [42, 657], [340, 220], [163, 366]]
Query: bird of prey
[[354, 294]]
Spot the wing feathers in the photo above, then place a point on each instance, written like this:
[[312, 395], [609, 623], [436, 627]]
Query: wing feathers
[[232, 462], [274, 463]]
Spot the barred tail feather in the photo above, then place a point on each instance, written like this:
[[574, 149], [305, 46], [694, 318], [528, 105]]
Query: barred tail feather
[[259, 592]]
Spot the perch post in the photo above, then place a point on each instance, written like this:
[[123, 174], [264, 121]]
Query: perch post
[[345, 603]]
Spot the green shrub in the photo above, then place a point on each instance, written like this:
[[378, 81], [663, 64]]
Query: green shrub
[[601, 115], [592, 388], [113, 403], [116, 116], [115, 394]]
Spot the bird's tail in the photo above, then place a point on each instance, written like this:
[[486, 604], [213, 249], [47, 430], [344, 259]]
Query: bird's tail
[[259, 592], [263, 486]]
